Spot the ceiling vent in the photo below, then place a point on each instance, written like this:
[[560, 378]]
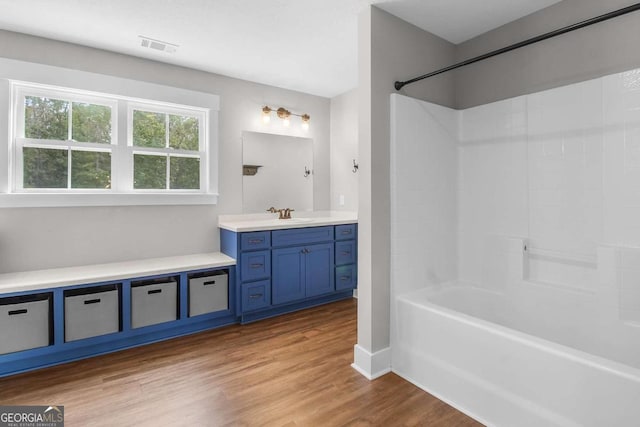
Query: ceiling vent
[[150, 43]]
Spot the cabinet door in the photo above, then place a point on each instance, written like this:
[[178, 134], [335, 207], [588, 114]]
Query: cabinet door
[[319, 269], [288, 265]]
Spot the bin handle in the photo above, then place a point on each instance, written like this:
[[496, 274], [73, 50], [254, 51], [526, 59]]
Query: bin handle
[[92, 301], [211, 282], [14, 312], [154, 291]]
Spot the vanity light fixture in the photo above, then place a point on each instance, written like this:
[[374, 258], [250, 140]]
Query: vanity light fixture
[[285, 116]]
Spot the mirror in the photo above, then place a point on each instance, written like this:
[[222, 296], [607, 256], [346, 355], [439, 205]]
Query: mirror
[[277, 171]]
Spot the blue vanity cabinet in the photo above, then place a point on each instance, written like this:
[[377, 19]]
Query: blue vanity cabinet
[[302, 271], [290, 269], [346, 257]]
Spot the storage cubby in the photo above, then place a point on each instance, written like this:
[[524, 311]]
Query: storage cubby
[[208, 292], [91, 312], [25, 322], [154, 301]]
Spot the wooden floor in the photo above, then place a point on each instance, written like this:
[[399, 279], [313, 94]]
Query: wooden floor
[[293, 370]]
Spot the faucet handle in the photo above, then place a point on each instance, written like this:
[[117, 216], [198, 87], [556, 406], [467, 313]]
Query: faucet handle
[[272, 210]]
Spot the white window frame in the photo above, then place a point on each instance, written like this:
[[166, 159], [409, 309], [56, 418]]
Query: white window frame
[[122, 91], [19, 93], [201, 154]]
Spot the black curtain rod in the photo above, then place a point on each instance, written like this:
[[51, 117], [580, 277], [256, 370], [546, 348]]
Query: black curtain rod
[[399, 85]]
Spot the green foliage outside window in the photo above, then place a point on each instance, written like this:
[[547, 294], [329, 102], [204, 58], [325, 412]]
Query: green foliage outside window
[[183, 133], [91, 123], [149, 129], [149, 172], [46, 118], [90, 169], [45, 168], [184, 173]]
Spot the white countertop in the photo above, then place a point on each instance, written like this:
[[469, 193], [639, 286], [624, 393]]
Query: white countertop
[[269, 221], [58, 277]]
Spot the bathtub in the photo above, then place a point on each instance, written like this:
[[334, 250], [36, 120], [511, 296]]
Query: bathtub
[[519, 359]]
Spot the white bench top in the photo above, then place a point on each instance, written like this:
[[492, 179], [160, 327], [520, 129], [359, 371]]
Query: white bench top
[[59, 277]]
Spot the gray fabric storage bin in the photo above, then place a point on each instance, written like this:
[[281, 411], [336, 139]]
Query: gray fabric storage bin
[[208, 294], [91, 312], [153, 302], [25, 322]]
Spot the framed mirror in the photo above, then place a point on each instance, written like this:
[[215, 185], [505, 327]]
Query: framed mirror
[[277, 170]]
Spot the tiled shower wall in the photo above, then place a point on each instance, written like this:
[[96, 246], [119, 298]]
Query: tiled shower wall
[[559, 168]]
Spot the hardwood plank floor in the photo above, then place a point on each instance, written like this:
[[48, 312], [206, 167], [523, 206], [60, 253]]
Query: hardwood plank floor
[[293, 370]]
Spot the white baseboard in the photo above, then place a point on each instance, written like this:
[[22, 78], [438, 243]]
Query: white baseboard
[[371, 365]]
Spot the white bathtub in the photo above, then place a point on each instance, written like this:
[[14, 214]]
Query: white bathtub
[[524, 362]]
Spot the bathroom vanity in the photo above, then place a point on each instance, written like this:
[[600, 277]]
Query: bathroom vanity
[[285, 265]]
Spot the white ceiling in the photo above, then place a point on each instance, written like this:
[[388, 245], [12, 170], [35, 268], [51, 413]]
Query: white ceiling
[[304, 45]]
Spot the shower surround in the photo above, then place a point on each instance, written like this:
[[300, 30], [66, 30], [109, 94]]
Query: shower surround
[[515, 257]]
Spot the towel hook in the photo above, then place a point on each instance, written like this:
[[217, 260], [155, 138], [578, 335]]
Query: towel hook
[[355, 166], [307, 172]]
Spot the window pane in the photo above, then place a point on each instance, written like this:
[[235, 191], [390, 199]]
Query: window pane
[[90, 169], [44, 168], [91, 123], [149, 129], [149, 171], [183, 133], [46, 118], [184, 173]]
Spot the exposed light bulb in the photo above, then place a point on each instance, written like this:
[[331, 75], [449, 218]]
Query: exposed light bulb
[[305, 121], [266, 114], [286, 122]]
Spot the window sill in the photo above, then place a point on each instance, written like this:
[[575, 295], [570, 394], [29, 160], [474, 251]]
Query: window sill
[[38, 200]]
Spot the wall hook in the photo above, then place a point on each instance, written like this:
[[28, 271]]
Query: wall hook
[[307, 172], [355, 166]]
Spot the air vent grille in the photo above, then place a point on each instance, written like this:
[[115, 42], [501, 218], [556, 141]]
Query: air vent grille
[[160, 45]]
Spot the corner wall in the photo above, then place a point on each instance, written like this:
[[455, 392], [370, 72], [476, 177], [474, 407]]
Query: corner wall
[[389, 49]]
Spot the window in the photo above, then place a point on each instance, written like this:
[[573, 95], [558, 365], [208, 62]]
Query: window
[[68, 141], [63, 141], [166, 149]]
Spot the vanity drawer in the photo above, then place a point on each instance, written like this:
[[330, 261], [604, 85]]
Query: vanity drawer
[[346, 277], [255, 265], [346, 231], [256, 295], [255, 240], [302, 236], [345, 252]]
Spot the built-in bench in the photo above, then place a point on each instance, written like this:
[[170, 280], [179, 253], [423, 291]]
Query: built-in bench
[[58, 315]]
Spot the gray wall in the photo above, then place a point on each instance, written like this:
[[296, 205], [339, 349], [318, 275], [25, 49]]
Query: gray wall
[[344, 149], [595, 51], [37, 238], [389, 49]]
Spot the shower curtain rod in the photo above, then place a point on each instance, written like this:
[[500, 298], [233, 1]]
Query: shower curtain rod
[[399, 85]]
